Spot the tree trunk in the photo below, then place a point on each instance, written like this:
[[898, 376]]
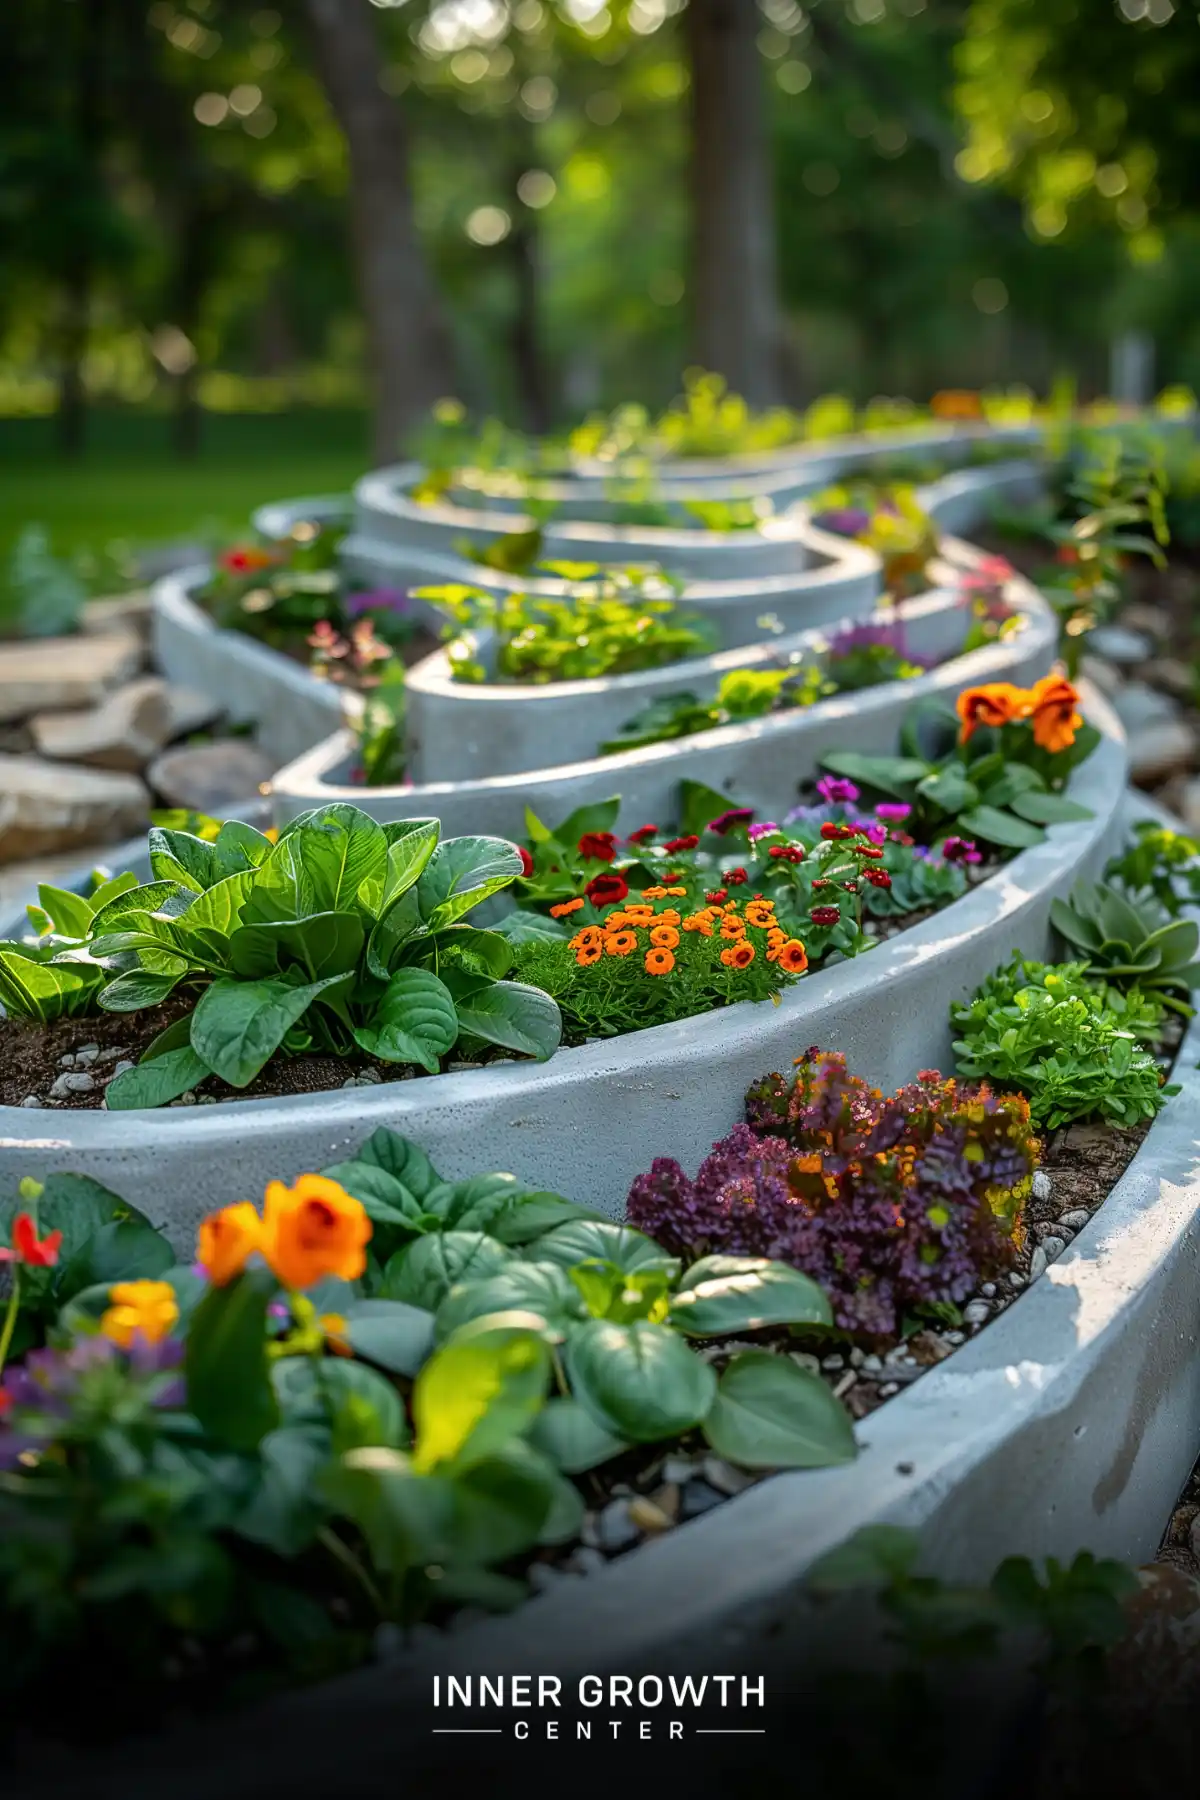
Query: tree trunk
[[70, 425], [735, 322], [410, 356]]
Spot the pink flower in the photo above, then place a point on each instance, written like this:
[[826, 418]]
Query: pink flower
[[957, 849], [893, 811], [835, 791]]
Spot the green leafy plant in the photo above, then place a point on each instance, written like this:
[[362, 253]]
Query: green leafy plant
[[1131, 943], [613, 621], [1059, 1038], [46, 594], [741, 694], [343, 935], [379, 730], [1160, 863]]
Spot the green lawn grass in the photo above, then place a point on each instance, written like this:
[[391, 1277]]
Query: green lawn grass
[[129, 488]]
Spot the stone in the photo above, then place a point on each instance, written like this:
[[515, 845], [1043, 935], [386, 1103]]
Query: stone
[[1101, 674], [679, 1469], [72, 1083], [586, 1560], [1041, 1185], [977, 1312], [31, 1100], [1155, 621], [46, 806], [1139, 706], [1076, 1220], [55, 674], [118, 612], [125, 731], [1156, 751], [1117, 644], [724, 1477], [188, 710], [1054, 1247], [1177, 677], [648, 1517], [1037, 1263], [1188, 804], [615, 1527], [209, 778], [86, 1055], [832, 1363], [699, 1497]]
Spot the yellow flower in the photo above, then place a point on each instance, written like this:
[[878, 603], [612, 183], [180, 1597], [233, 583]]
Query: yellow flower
[[313, 1230], [139, 1308]]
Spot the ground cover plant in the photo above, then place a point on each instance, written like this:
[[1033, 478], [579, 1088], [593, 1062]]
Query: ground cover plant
[[376, 1398], [858, 656], [336, 934], [885, 518], [612, 621]]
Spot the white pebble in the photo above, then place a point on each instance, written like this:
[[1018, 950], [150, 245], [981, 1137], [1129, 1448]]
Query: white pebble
[[856, 1358], [888, 1389], [1037, 1265], [833, 1362], [1054, 1247], [1076, 1220], [68, 1084], [954, 1337], [1041, 1185], [86, 1054], [977, 1313], [1016, 1279], [871, 1365], [122, 1066], [988, 1290], [31, 1100]]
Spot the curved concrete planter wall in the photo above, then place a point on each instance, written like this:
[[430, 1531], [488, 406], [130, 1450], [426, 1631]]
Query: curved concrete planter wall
[[761, 762], [591, 1118], [456, 728]]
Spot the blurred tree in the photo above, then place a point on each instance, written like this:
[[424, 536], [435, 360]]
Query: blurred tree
[[409, 346]]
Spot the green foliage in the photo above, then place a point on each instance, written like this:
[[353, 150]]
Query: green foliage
[[1160, 863], [45, 592], [379, 733], [1059, 1038], [1131, 943], [613, 621], [344, 934]]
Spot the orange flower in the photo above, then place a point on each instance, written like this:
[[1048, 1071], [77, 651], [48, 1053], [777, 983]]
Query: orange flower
[[677, 891], [738, 956], [226, 1240], [334, 1327], [654, 893], [793, 957], [664, 937], [564, 907], [146, 1309], [587, 954], [313, 1230], [616, 920], [732, 927], [659, 962], [668, 916], [777, 935], [956, 403], [638, 915], [1053, 703], [699, 922], [999, 703], [620, 943], [760, 913], [585, 938]]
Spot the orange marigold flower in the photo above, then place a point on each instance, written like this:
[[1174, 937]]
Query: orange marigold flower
[[654, 893], [617, 920], [585, 937], [732, 928], [313, 1230], [793, 957], [760, 913], [1053, 705], [678, 892], [564, 907], [738, 956], [699, 922], [226, 1241], [997, 703], [587, 954], [956, 403], [638, 915], [669, 916], [659, 962], [620, 943], [664, 937], [146, 1309]]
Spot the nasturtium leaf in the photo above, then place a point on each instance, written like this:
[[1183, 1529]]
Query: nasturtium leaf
[[1049, 809], [640, 1381], [721, 1295], [771, 1414], [397, 1336], [997, 827], [414, 1021], [538, 1288]]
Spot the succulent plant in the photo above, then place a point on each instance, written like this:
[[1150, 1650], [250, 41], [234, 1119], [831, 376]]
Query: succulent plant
[[1131, 942]]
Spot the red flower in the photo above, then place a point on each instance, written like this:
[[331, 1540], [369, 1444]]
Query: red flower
[[642, 834], [734, 877], [597, 846], [526, 862], [683, 843], [716, 896], [879, 878], [830, 831], [871, 850], [607, 890], [5, 1401], [792, 853], [27, 1248], [244, 561], [824, 915]]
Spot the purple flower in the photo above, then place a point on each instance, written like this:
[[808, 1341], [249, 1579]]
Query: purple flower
[[893, 811], [736, 815], [764, 830], [957, 849], [867, 636], [846, 521], [835, 791], [394, 600], [877, 833]]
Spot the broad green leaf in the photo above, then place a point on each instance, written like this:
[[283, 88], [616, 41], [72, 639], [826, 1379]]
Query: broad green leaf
[[423, 1273], [385, 1199], [327, 943], [164, 899], [572, 1438], [597, 815], [239, 1025], [406, 1518], [407, 857], [503, 1503], [461, 873], [414, 1021], [228, 1383], [997, 827], [109, 890], [122, 1250], [539, 1288], [219, 907], [396, 1336], [405, 1160], [640, 1381], [698, 805], [896, 775], [138, 989], [721, 1295], [179, 856], [283, 887], [532, 1216], [401, 923], [487, 954], [513, 1015], [364, 1408], [238, 846], [948, 789], [284, 1512], [343, 849], [46, 991], [584, 1239], [771, 1414], [520, 927], [69, 914], [476, 1393], [474, 1204], [1049, 809]]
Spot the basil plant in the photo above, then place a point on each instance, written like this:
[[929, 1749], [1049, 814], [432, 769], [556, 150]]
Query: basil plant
[[343, 935]]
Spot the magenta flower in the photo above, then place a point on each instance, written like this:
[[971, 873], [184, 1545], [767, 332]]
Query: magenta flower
[[893, 811], [835, 791], [957, 849], [878, 834], [764, 830], [736, 815]]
